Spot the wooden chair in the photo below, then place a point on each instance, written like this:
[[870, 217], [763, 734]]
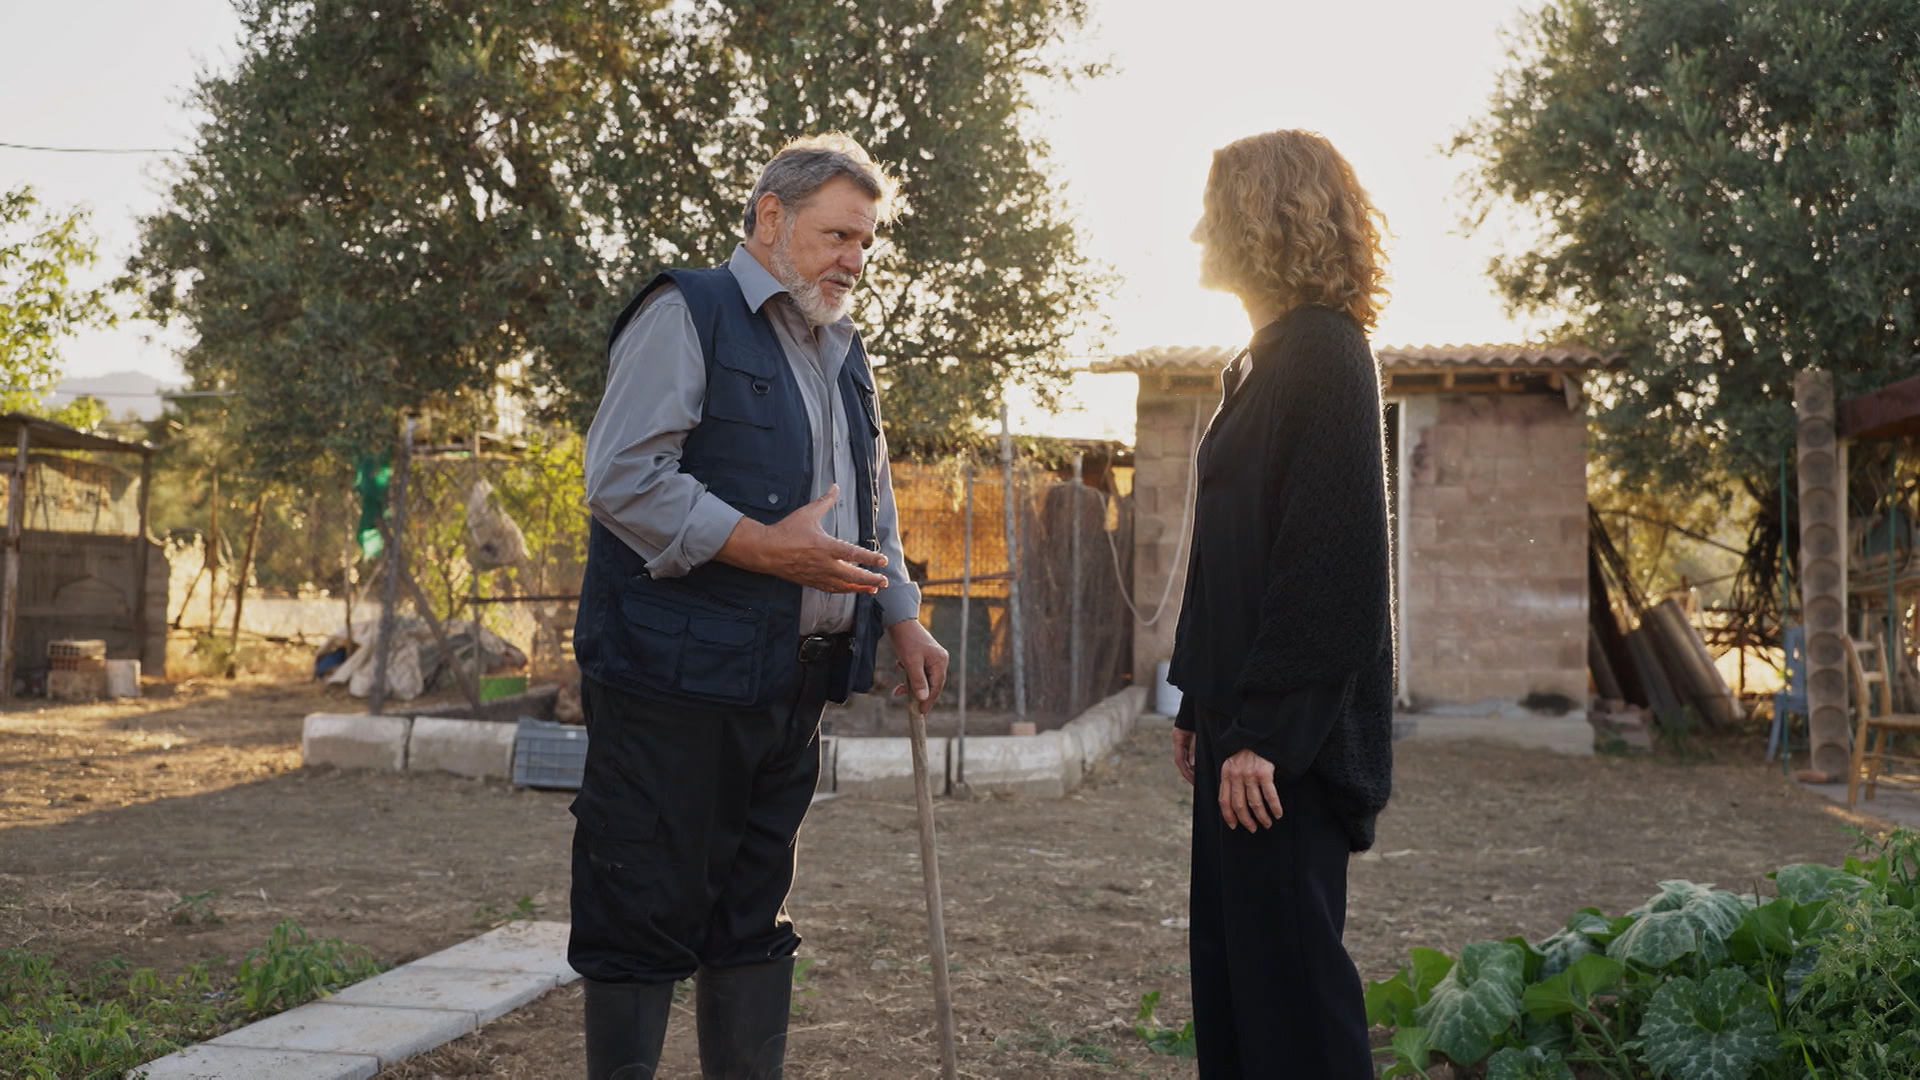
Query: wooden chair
[[1873, 732]]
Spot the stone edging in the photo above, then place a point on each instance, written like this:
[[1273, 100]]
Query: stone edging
[[1048, 765], [394, 1015]]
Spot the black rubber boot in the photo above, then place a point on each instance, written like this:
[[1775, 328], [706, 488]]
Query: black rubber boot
[[742, 1016], [626, 1026]]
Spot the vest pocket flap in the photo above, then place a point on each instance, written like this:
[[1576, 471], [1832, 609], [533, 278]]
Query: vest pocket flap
[[723, 631], [608, 818], [652, 616], [743, 397], [752, 492]]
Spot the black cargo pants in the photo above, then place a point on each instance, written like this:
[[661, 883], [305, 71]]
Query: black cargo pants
[[685, 826]]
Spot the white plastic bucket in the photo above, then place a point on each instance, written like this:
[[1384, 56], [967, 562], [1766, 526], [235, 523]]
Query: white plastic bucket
[[1166, 696]]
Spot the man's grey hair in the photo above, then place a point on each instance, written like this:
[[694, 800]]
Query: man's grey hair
[[806, 165]]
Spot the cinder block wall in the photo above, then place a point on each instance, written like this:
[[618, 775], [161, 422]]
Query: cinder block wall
[[1164, 442], [1495, 603]]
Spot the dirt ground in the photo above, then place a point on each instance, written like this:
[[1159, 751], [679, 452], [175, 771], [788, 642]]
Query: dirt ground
[[1060, 913]]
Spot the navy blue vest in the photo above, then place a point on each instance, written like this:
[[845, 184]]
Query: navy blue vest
[[722, 635]]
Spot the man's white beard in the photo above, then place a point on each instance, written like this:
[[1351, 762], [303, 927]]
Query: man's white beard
[[807, 295]]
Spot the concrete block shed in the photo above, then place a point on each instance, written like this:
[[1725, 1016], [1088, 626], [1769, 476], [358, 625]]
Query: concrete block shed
[[1486, 462], [77, 559]]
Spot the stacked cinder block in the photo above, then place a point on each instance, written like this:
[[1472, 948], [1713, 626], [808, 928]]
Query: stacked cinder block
[[1495, 583]]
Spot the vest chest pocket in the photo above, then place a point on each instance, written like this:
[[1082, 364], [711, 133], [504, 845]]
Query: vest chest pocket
[[741, 397]]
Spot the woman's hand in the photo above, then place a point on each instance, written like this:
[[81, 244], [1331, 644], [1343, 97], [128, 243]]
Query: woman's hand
[[1183, 754], [1247, 795]]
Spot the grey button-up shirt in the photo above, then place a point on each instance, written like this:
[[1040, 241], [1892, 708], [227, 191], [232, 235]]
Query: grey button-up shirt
[[656, 392]]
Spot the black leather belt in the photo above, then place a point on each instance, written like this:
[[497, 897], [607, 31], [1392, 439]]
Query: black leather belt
[[817, 647]]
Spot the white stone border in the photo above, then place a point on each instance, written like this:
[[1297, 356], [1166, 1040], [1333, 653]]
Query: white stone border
[[394, 1015], [1048, 765]]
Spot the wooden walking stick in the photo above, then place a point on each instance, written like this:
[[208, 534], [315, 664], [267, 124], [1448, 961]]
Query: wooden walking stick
[[930, 872]]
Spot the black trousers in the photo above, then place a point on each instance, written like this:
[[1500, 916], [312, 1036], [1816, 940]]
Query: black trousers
[[1275, 995], [684, 843]]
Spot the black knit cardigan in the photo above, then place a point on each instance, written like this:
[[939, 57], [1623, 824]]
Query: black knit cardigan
[[1286, 629]]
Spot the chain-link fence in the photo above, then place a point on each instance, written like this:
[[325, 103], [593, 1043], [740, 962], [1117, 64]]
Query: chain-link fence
[[1071, 543], [291, 564], [307, 565]]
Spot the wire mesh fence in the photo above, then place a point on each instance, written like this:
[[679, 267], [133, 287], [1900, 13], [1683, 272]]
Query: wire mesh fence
[[296, 564]]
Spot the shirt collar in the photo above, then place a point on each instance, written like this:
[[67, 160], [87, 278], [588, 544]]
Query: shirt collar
[[756, 284]]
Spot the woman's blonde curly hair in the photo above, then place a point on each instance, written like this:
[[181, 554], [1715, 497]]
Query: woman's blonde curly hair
[[1286, 220]]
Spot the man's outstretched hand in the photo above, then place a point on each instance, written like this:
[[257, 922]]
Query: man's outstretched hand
[[924, 661], [797, 549]]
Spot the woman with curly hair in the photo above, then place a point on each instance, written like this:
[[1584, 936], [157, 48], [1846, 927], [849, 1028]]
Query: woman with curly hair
[[1285, 645]]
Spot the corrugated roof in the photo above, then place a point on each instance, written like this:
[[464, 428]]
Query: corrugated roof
[[45, 434], [1211, 358]]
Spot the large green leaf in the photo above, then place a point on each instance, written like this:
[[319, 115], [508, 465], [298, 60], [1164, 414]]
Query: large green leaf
[[1808, 882], [1570, 990], [1427, 967], [1718, 1029], [1410, 1053], [1684, 918], [1586, 931], [1477, 1001], [1390, 1002], [1532, 1063]]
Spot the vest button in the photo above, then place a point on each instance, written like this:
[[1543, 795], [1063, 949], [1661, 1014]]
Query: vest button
[[774, 499]]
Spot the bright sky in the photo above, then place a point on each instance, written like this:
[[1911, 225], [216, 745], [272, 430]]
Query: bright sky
[[1133, 148]]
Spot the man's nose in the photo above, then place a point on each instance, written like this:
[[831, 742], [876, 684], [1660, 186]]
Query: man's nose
[[853, 260]]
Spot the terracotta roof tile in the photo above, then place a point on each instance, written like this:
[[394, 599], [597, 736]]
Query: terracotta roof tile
[[1211, 358]]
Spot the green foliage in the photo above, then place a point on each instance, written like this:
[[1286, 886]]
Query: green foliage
[[1682, 920], [1724, 194], [398, 206], [54, 1026], [40, 303], [1820, 980], [1533, 1063], [1718, 1029], [1476, 1001], [1177, 1042], [293, 968]]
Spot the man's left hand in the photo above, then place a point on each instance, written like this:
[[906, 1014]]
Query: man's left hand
[[923, 661]]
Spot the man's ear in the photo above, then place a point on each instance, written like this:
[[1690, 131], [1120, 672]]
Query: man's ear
[[768, 216]]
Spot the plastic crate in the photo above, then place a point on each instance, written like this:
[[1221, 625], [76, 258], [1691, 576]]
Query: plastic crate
[[495, 687], [549, 755]]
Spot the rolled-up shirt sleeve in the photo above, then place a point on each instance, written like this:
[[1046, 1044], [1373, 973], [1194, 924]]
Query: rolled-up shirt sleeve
[[900, 600], [656, 390]]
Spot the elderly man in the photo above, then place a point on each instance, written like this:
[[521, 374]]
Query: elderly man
[[744, 560]]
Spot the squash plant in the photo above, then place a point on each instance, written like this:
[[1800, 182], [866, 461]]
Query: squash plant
[[1821, 979]]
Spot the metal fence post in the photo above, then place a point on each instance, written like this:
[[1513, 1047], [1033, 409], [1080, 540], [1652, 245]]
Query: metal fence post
[[1073, 607], [1013, 571], [966, 636]]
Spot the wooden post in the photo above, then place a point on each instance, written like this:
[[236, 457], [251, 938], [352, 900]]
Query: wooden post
[[142, 566], [10, 590], [240, 583], [211, 560], [930, 879]]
